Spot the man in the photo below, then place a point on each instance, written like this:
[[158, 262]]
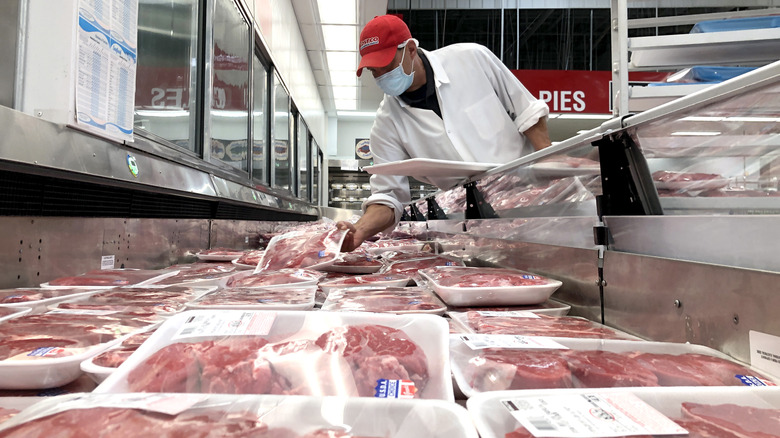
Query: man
[[457, 103]]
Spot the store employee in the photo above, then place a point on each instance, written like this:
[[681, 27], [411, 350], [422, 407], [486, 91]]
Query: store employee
[[458, 103]]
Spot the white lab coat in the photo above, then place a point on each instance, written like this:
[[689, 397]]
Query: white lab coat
[[484, 111]]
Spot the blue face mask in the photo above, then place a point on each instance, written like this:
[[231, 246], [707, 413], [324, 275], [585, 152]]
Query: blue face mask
[[396, 81]]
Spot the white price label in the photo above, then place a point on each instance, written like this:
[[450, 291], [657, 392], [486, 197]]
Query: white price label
[[480, 342], [107, 262], [589, 416], [765, 354], [510, 314], [228, 323]]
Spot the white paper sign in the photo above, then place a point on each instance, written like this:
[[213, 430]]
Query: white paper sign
[[765, 353], [481, 341], [228, 323], [107, 262], [589, 415]]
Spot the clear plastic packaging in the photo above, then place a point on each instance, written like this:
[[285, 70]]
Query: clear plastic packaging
[[535, 324], [249, 260], [355, 263], [37, 299], [164, 300], [100, 366], [740, 411], [302, 249], [549, 307], [217, 416], [479, 286], [280, 278], [413, 267], [275, 298], [373, 280], [109, 278], [295, 353], [384, 245], [7, 313], [399, 300], [495, 362], [219, 254]]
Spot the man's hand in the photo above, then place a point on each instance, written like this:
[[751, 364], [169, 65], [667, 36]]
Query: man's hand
[[376, 218]]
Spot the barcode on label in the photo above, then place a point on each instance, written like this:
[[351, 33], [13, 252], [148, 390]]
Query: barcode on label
[[542, 424], [187, 331]]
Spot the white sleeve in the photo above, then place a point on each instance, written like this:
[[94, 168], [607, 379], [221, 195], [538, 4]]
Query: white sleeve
[[389, 190], [524, 109]]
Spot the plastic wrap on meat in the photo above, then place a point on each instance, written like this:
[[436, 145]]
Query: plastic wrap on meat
[[483, 277], [108, 277], [357, 262], [15, 296], [251, 258], [122, 422], [117, 356], [605, 369], [343, 361], [40, 347], [550, 326], [366, 280], [198, 271], [273, 278], [498, 369], [410, 267], [383, 300], [257, 296], [694, 369], [302, 250], [222, 252], [701, 429], [666, 176], [740, 421], [453, 200], [166, 300]]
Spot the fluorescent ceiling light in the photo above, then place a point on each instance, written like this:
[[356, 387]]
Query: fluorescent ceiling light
[[585, 116], [345, 93], [702, 119], [340, 37], [345, 104], [697, 133], [231, 114], [162, 113], [343, 78], [752, 119], [337, 11], [356, 113], [342, 61]]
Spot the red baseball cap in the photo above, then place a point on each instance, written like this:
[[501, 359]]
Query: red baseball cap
[[379, 41]]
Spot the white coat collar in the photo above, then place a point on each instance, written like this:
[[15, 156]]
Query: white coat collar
[[438, 74]]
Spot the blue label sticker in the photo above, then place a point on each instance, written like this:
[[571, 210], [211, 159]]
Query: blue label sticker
[[752, 381], [394, 389], [530, 277], [321, 254], [45, 351], [413, 302], [449, 264]]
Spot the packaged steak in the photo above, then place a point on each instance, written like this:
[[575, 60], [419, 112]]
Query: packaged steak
[[549, 307], [7, 313], [250, 259], [706, 412], [302, 249], [161, 300], [688, 181], [282, 277], [373, 280], [254, 298], [384, 245], [219, 254], [109, 278], [534, 324], [413, 267], [399, 300], [222, 415], [44, 351], [481, 286], [355, 263], [37, 299], [483, 363], [199, 274], [291, 353]]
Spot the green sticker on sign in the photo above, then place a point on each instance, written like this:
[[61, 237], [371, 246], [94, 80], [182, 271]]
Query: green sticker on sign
[[132, 165]]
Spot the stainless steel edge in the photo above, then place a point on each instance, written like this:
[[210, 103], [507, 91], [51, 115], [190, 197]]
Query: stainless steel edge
[[338, 214], [739, 241], [677, 301], [574, 232]]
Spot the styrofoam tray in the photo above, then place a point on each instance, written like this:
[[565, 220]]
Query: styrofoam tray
[[163, 275], [493, 420], [560, 170], [549, 307], [493, 296], [41, 305], [349, 300], [7, 313], [217, 257], [462, 319], [429, 332], [268, 302], [430, 168], [300, 414], [461, 354], [95, 372], [242, 265], [388, 281]]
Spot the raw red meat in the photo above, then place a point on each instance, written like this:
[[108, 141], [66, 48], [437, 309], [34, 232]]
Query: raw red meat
[[108, 277], [272, 278], [694, 369], [364, 280], [357, 259], [113, 358], [410, 267], [390, 300], [302, 249], [499, 369], [331, 433], [545, 325], [605, 369], [11, 296], [397, 256], [666, 176], [251, 365], [198, 271], [126, 423], [6, 414], [256, 296], [742, 421], [466, 277], [701, 429], [251, 258], [222, 251]]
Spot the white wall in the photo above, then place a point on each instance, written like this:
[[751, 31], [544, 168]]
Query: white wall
[[280, 31], [347, 132]]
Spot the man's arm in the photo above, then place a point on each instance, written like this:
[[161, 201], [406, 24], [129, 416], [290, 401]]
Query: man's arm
[[376, 218], [538, 134]]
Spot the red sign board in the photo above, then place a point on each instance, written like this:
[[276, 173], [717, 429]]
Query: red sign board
[[576, 91]]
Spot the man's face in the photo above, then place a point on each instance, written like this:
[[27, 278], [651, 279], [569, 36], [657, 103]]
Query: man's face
[[379, 71]]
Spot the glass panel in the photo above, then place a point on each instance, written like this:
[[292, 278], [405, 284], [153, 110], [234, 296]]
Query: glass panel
[[165, 78], [259, 121], [282, 175], [230, 102], [303, 159], [315, 173]]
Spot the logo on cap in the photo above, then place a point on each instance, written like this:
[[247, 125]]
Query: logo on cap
[[369, 42]]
